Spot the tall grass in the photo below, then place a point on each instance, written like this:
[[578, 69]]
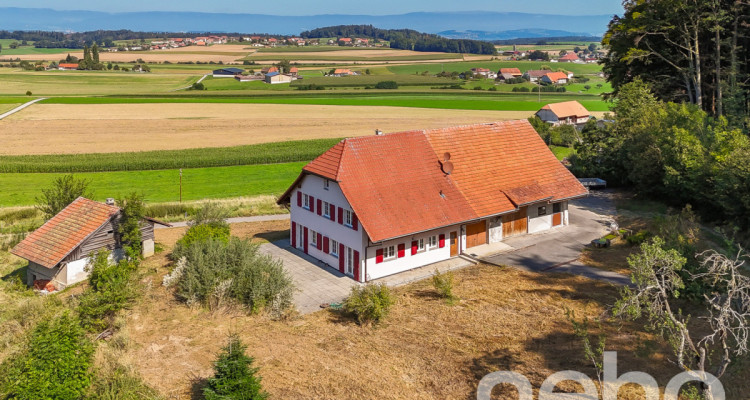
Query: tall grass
[[266, 153]]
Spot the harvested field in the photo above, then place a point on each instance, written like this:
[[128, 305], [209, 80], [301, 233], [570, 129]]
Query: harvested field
[[426, 349], [89, 128], [8, 106], [223, 53]]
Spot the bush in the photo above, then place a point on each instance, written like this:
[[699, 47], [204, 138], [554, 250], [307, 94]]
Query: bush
[[55, 365], [386, 85], [110, 291], [198, 86], [202, 233], [492, 89], [216, 274], [443, 283], [28, 93], [639, 237], [369, 303], [235, 376], [521, 89]]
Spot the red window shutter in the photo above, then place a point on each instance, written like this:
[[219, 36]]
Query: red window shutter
[[378, 256], [341, 258], [413, 247], [312, 204], [356, 265], [442, 240], [307, 241], [320, 206], [325, 244], [299, 198], [332, 213], [320, 242], [401, 250], [355, 221], [341, 215], [294, 234]]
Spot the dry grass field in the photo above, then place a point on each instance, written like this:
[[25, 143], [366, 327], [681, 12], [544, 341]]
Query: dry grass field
[[226, 53], [8, 106], [95, 128], [426, 349]]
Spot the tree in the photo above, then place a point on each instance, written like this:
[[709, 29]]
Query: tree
[[708, 347], [1, 48], [235, 377], [64, 190], [95, 53], [129, 225], [284, 66]]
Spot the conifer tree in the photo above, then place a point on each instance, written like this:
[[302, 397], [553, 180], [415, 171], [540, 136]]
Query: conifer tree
[[235, 377]]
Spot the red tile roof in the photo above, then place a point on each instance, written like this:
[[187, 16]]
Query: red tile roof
[[570, 57], [395, 185], [556, 76], [64, 65], [62, 234], [567, 109], [514, 71]]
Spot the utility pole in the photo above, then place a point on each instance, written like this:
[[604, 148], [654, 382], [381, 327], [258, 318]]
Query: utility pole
[[180, 185]]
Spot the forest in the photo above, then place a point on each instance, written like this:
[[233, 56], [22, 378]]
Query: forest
[[405, 39]]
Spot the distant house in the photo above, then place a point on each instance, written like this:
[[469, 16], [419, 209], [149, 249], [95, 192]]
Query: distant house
[[505, 76], [293, 71], [275, 77], [484, 72], [227, 72], [570, 57], [557, 78], [59, 250], [343, 72], [512, 71], [67, 66], [534, 75], [345, 41], [246, 78], [565, 113], [268, 70]]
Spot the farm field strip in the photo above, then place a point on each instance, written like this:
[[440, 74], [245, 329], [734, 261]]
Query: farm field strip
[[494, 65], [87, 83], [267, 153], [50, 129], [4, 107], [161, 185], [326, 57]]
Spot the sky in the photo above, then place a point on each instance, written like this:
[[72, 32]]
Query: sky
[[308, 7]]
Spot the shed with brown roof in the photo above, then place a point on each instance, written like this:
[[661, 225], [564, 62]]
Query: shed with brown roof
[[363, 203], [567, 112], [59, 250]]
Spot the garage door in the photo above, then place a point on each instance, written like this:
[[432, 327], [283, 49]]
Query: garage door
[[476, 234], [515, 224]]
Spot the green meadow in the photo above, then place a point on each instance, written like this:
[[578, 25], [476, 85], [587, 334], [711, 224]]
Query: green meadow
[[161, 185], [68, 83]]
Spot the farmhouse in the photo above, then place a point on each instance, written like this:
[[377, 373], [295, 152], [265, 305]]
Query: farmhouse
[[267, 70], [343, 72], [558, 78], [68, 66], [275, 77], [569, 112], [533, 75], [379, 205], [227, 72], [484, 72], [570, 57], [515, 72], [59, 250]]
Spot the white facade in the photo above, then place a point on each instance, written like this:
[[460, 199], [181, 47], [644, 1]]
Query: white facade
[[552, 118]]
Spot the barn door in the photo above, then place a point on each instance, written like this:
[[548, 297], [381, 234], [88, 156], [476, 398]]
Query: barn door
[[515, 224], [476, 234]]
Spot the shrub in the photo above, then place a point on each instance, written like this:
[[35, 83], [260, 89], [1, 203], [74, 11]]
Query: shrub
[[369, 303], [235, 377], [28, 93], [443, 283], [129, 226], [386, 85], [218, 273], [64, 191], [55, 365], [198, 86], [202, 233], [492, 89], [639, 237], [111, 290]]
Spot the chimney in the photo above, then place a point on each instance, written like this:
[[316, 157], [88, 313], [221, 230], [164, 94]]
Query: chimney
[[110, 201], [378, 132]]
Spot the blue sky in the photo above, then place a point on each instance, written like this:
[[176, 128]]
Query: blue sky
[[308, 7]]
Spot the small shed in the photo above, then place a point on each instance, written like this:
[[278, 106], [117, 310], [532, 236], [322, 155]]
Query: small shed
[[59, 250]]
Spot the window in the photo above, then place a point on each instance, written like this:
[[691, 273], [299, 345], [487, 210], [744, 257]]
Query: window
[[541, 211], [334, 248], [313, 238], [420, 244], [389, 252], [556, 208], [347, 218], [326, 184], [306, 201], [326, 209], [432, 242]]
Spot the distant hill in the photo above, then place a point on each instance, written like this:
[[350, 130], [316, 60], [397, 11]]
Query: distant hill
[[512, 34], [548, 40], [431, 22]]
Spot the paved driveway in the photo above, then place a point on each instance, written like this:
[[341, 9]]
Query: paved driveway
[[558, 250], [316, 283]]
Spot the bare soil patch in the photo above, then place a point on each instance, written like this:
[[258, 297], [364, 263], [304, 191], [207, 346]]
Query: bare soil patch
[[64, 128], [426, 349], [266, 231]]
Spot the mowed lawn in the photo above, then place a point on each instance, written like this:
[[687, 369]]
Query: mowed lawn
[[161, 185], [89, 82]]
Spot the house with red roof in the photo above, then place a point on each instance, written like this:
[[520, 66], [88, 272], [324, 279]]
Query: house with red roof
[[59, 250], [512, 71], [379, 205], [67, 66], [570, 57], [556, 78], [565, 113]]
